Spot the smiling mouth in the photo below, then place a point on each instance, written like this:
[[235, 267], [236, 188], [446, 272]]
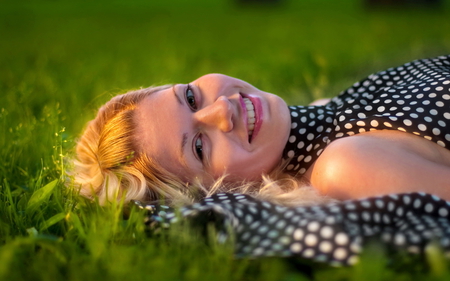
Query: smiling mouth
[[251, 117]]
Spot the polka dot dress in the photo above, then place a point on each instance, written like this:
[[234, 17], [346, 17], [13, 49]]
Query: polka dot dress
[[333, 233], [413, 98]]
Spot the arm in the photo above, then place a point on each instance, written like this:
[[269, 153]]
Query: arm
[[380, 163]]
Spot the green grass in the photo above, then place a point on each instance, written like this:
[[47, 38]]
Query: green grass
[[59, 60]]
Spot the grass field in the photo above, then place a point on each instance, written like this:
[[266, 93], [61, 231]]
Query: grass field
[[60, 60]]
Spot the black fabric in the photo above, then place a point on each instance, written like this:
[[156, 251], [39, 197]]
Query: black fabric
[[413, 98], [333, 233]]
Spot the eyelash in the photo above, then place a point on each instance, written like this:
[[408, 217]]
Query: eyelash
[[190, 98], [198, 147]]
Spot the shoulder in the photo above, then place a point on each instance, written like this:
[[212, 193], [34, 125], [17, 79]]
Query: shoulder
[[378, 163]]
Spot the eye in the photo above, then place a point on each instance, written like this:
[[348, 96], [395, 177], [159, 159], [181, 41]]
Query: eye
[[199, 148], [190, 97]]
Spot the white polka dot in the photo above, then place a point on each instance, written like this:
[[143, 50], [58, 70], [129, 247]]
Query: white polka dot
[[436, 131], [352, 216], [310, 136], [311, 240], [280, 224], [399, 239], [429, 208], [294, 125], [361, 123], [406, 199], [308, 253], [326, 232], [353, 260], [348, 126], [443, 212], [366, 216], [294, 114], [341, 238], [379, 203], [361, 115], [399, 211], [374, 123], [298, 234], [296, 247], [422, 127], [291, 154], [365, 203], [381, 109], [439, 88], [340, 253], [313, 226], [376, 217], [390, 206], [325, 247], [407, 122], [292, 139]]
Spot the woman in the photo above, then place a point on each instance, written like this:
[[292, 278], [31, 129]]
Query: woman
[[219, 133]]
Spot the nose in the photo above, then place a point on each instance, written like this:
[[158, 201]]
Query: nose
[[218, 114]]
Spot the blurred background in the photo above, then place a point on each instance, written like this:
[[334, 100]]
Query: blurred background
[[60, 60]]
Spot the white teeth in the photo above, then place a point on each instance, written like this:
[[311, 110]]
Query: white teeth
[[250, 115]]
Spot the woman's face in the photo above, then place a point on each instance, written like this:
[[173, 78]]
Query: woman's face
[[213, 126]]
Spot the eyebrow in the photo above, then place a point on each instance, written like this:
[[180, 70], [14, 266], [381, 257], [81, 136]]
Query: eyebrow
[[183, 144], [185, 137]]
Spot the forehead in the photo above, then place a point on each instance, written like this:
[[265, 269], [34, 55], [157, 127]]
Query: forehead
[[160, 131]]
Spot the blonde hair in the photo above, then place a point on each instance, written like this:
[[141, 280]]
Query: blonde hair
[[109, 165]]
